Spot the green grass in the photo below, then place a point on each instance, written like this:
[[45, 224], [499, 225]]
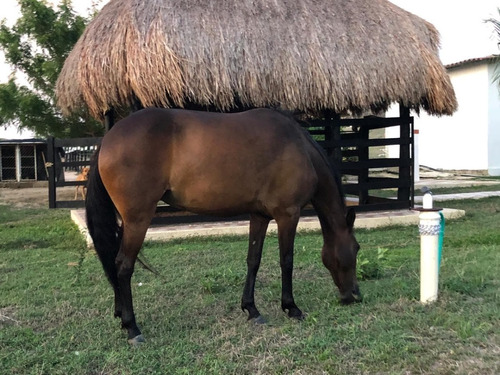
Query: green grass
[[56, 306]]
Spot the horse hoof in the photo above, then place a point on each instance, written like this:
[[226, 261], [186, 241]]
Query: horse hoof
[[293, 311], [259, 320], [137, 340], [298, 316]]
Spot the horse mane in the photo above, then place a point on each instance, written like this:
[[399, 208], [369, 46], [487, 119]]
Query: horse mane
[[302, 124], [334, 171]]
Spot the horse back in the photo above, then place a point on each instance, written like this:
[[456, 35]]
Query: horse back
[[214, 163]]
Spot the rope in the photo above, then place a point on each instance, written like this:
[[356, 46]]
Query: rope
[[441, 239]]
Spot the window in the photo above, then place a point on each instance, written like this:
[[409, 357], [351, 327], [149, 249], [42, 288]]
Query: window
[[28, 164], [8, 162], [18, 162]]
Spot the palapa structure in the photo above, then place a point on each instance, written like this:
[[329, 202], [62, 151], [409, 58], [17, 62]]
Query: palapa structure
[[300, 55]]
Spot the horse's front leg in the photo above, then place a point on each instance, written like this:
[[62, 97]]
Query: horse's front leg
[[258, 228], [287, 228]]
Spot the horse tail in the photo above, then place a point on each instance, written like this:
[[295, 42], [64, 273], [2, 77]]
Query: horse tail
[[102, 222]]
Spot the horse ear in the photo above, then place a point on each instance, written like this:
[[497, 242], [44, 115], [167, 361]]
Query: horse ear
[[350, 217]]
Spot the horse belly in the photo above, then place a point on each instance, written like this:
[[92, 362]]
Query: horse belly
[[229, 169], [221, 198], [261, 187]]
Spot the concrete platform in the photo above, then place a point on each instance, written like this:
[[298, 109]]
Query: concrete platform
[[451, 197], [363, 220]]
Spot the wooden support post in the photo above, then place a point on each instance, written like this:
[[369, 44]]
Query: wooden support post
[[328, 132], [109, 119], [363, 155], [50, 165], [412, 163], [405, 175], [136, 104], [332, 138], [336, 137]]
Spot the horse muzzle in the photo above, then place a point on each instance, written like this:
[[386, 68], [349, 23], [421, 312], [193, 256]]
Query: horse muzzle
[[351, 296]]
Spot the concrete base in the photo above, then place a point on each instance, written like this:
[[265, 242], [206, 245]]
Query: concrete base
[[363, 220], [494, 171]]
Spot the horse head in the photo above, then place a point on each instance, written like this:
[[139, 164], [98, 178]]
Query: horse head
[[339, 257]]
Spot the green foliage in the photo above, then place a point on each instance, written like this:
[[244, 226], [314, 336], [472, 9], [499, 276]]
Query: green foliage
[[496, 26], [37, 46], [370, 266]]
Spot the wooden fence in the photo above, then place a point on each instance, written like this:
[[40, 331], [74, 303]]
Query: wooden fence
[[357, 148], [76, 153], [371, 181]]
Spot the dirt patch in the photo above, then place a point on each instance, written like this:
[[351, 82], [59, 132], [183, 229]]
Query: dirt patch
[[35, 194], [35, 197], [8, 316]]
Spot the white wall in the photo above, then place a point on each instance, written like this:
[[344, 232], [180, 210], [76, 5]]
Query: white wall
[[460, 142], [493, 124]]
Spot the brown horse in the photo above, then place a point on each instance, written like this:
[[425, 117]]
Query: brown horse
[[259, 162]]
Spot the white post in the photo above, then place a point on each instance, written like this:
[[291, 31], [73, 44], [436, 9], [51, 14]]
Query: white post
[[430, 226], [18, 163]]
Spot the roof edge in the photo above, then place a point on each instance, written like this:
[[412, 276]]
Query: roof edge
[[475, 60]]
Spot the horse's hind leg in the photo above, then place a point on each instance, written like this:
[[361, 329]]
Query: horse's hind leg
[[258, 228], [287, 228], [134, 232]]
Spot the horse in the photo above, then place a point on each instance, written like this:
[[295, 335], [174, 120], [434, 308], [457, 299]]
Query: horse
[[259, 162]]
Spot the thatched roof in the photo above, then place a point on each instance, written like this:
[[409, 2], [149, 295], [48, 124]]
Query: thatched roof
[[302, 55]]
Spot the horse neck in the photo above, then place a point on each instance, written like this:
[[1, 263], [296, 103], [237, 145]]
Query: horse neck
[[330, 208], [328, 200]]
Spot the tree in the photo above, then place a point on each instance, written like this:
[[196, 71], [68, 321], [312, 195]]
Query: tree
[[496, 25], [37, 45]]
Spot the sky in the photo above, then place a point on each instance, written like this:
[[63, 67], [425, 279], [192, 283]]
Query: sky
[[464, 34]]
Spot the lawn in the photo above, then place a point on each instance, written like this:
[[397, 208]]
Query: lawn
[[56, 306]]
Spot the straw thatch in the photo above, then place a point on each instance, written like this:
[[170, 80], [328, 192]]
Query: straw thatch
[[301, 55]]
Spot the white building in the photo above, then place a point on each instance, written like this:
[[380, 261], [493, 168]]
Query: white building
[[470, 139], [11, 132]]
